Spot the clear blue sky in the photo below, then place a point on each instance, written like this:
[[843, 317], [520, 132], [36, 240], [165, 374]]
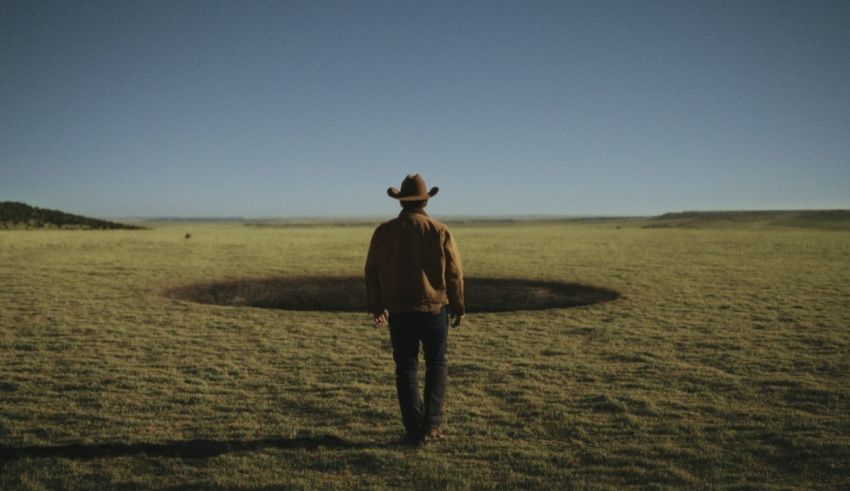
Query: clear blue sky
[[314, 108]]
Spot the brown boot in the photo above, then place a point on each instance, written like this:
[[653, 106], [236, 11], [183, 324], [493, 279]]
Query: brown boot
[[414, 439], [435, 434]]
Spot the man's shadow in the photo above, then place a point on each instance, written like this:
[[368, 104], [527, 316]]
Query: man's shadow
[[200, 448]]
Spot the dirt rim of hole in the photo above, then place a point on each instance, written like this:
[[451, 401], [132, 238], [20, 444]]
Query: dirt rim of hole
[[348, 294]]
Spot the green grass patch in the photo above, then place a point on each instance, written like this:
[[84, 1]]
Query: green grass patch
[[724, 363]]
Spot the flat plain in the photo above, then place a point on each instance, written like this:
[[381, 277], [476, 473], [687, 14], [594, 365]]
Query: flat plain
[[725, 363]]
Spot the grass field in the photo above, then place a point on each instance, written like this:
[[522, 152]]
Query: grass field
[[725, 363]]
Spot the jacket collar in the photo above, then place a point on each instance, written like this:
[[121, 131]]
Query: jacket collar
[[405, 213]]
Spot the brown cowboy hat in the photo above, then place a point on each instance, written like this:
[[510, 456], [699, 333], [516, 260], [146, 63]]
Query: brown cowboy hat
[[413, 188]]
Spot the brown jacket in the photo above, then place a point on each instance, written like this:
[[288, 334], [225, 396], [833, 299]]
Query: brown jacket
[[413, 266]]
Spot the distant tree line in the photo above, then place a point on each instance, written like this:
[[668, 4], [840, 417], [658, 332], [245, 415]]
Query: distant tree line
[[21, 215]]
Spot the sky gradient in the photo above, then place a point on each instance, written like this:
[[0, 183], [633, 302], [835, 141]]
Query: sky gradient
[[304, 109]]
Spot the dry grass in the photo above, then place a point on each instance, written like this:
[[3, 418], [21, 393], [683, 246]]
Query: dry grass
[[724, 364]]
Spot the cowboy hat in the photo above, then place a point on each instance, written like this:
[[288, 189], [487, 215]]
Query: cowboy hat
[[413, 188]]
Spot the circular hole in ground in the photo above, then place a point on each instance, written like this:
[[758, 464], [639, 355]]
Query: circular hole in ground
[[348, 294]]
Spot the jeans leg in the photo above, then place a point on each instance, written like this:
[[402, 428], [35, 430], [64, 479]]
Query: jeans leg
[[406, 356], [434, 340]]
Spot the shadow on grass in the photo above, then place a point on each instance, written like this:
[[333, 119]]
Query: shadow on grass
[[348, 294], [186, 449]]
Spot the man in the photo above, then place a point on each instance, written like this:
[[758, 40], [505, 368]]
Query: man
[[413, 273]]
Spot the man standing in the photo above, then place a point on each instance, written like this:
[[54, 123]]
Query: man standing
[[413, 272]]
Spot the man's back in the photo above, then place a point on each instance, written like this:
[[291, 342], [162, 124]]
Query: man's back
[[414, 266]]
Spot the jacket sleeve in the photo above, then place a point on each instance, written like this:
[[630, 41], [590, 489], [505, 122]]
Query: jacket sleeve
[[373, 281], [454, 276]]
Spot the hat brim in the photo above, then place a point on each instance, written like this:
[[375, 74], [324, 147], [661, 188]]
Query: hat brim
[[394, 193]]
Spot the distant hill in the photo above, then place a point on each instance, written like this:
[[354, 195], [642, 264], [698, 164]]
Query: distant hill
[[812, 219], [14, 215]]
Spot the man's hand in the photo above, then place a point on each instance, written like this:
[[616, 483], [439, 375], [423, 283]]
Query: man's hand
[[457, 319], [381, 319]]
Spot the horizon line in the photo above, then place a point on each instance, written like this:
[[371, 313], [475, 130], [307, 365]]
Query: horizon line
[[483, 217]]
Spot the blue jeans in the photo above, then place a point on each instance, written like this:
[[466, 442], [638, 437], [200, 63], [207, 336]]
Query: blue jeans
[[407, 331]]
